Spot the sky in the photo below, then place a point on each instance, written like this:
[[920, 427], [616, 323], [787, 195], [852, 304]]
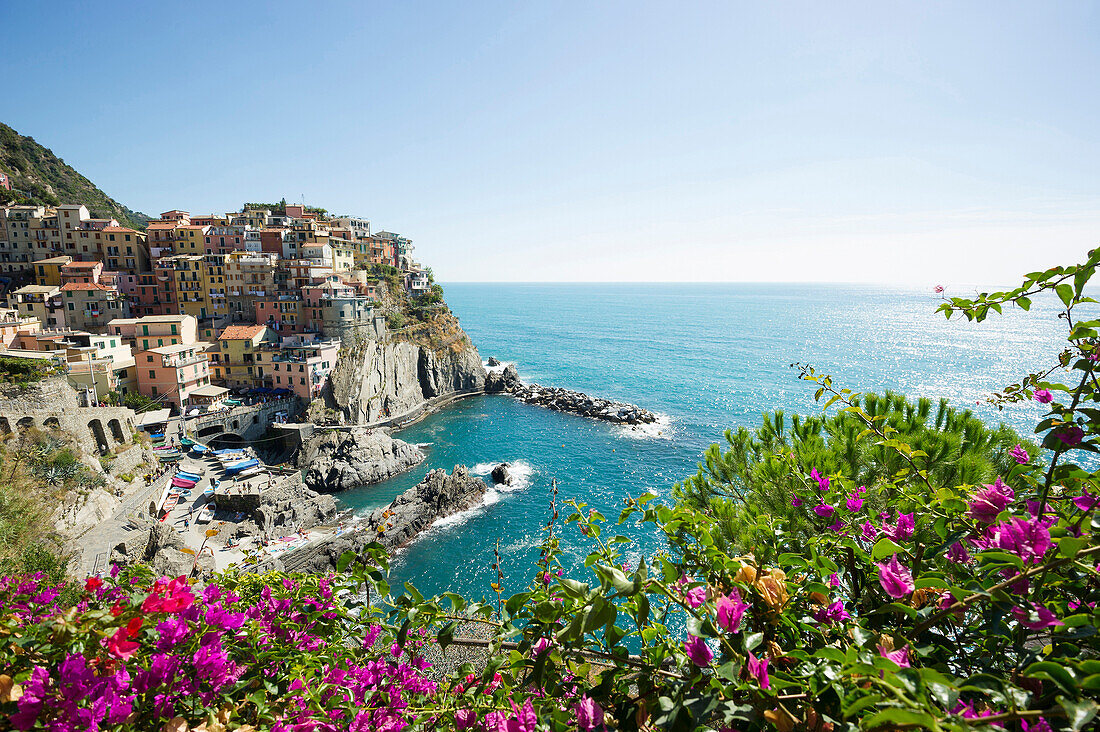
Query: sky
[[917, 143]]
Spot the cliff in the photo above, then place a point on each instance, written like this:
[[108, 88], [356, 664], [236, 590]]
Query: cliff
[[388, 374]]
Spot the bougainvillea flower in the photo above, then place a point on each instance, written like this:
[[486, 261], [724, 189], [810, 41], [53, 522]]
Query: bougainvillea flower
[[1043, 396], [465, 719], [730, 611], [900, 656], [869, 531], [987, 504], [854, 503], [1039, 725], [834, 613], [93, 584], [895, 578], [834, 580], [589, 714], [824, 510], [796, 501], [696, 596], [697, 650], [1020, 454], [1029, 540], [1044, 618], [773, 588], [958, 554], [938, 289], [119, 645], [1070, 436], [758, 669], [1085, 502], [169, 596]]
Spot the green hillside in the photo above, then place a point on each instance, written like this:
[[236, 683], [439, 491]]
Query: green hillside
[[40, 177]]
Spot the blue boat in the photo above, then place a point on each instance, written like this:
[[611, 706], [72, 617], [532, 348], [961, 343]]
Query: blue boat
[[245, 465], [198, 449]]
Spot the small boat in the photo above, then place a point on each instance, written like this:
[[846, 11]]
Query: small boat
[[169, 457], [186, 441], [187, 475], [198, 449], [249, 472], [209, 492], [178, 483], [157, 436], [244, 465], [206, 515]]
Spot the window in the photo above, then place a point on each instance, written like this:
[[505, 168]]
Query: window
[[152, 374], [149, 359], [154, 391]]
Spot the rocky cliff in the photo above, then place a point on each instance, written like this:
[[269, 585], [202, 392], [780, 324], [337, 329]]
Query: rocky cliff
[[388, 374], [337, 460], [437, 496]]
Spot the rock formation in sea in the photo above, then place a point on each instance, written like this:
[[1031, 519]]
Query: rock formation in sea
[[337, 460], [383, 374], [501, 475], [437, 496], [565, 400]]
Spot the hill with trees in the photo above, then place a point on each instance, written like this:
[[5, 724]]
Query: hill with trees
[[40, 177]]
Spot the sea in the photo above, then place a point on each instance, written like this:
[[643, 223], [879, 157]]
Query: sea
[[707, 358]]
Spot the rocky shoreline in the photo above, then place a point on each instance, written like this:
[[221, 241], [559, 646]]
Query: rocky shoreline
[[564, 400], [437, 496]]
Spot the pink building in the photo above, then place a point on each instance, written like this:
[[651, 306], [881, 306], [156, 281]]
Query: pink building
[[300, 365], [171, 373]]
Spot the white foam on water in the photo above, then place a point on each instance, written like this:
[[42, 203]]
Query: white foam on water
[[659, 430], [497, 369]]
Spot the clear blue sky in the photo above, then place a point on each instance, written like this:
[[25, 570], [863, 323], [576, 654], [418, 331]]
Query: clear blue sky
[[910, 142]]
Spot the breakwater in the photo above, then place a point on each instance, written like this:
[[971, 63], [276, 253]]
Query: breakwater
[[504, 380]]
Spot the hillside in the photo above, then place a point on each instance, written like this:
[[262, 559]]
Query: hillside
[[38, 176]]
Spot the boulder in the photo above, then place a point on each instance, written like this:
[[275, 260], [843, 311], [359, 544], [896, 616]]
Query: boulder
[[338, 460], [492, 362], [500, 474]]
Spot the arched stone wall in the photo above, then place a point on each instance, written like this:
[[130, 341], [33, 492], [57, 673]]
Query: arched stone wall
[[116, 431], [98, 435]]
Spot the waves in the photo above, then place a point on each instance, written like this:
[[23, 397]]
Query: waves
[[659, 430]]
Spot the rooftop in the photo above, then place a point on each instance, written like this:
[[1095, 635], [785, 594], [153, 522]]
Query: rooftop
[[241, 332], [69, 286], [209, 390]]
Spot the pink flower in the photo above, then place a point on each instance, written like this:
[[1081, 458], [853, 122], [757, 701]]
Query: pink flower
[[870, 533], [796, 501], [1070, 436], [834, 580], [1045, 618], [696, 596], [730, 611], [1043, 396], [903, 529], [900, 656], [523, 718], [589, 714], [836, 526], [834, 613], [822, 481], [539, 647], [938, 289], [697, 650], [1039, 725], [758, 669], [987, 504], [824, 510], [854, 503], [93, 584], [1029, 540], [120, 644], [465, 719], [169, 596], [1085, 502], [895, 578], [957, 553], [1020, 454]]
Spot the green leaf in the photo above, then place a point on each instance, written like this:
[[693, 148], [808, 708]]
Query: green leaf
[[753, 640], [446, 635], [1079, 713], [1065, 292], [901, 717], [1052, 672], [344, 561], [884, 547]]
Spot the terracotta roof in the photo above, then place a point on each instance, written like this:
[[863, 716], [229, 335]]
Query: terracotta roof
[[241, 332], [162, 225], [85, 286], [83, 265]]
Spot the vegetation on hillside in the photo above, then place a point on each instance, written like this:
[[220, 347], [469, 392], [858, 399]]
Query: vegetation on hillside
[[39, 177], [23, 371], [38, 470], [279, 209]]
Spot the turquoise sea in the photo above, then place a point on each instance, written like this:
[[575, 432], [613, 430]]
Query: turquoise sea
[[707, 357]]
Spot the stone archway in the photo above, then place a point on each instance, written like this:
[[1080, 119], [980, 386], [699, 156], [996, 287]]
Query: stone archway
[[100, 437], [25, 424], [52, 423], [5, 426], [116, 431], [153, 509], [227, 439], [210, 430]]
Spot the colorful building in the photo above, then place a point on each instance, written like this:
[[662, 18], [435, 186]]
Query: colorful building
[[170, 373]]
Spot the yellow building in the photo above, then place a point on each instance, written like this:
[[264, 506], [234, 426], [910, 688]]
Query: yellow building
[[236, 362], [189, 239], [48, 271]]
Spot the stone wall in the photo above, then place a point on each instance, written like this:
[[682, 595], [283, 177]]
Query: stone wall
[[52, 405], [249, 423]]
